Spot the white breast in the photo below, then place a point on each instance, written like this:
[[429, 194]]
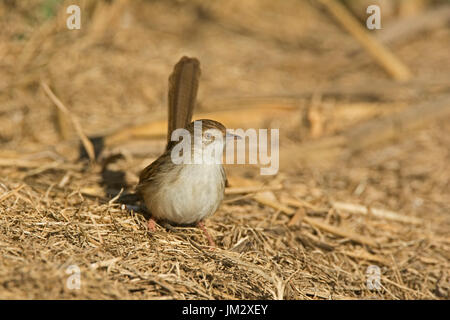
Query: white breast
[[194, 195]]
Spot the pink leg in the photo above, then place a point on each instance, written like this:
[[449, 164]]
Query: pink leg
[[151, 224], [212, 244]]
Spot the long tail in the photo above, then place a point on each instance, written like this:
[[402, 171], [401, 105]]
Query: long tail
[[183, 86]]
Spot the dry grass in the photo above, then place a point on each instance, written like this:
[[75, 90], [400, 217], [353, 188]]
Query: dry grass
[[290, 239]]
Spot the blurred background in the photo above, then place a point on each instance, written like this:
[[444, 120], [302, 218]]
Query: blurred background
[[363, 114], [112, 73]]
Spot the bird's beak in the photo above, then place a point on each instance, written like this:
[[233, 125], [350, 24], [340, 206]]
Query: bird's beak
[[232, 136]]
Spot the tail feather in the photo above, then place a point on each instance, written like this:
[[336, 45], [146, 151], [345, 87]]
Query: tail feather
[[183, 86]]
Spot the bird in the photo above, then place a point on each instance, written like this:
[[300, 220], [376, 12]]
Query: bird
[[186, 192]]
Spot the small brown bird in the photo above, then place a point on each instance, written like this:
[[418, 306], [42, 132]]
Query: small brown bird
[[188, 192]]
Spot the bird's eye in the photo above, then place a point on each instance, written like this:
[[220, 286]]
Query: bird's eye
[[208, 136]]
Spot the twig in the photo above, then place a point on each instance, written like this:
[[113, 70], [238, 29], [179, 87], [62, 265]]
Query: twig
[[318, 224], [297, 217], [392, 126], [385, 279], [7, 162], [386, 214], [6, 195], [273, 204], [340, 232], [301, 203], [251, 189], [381, 54], [365, 256], [106, 263], [95, 226], [93, 192], [403, 29], [116, 197], [370, 133], [84, 139], [247, 196]]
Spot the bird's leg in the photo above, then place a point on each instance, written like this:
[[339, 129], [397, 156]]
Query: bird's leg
[[151, 224], [201, 225]]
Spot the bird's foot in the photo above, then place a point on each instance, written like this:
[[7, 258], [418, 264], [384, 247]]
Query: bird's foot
[[151, 224], [211, 242]]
